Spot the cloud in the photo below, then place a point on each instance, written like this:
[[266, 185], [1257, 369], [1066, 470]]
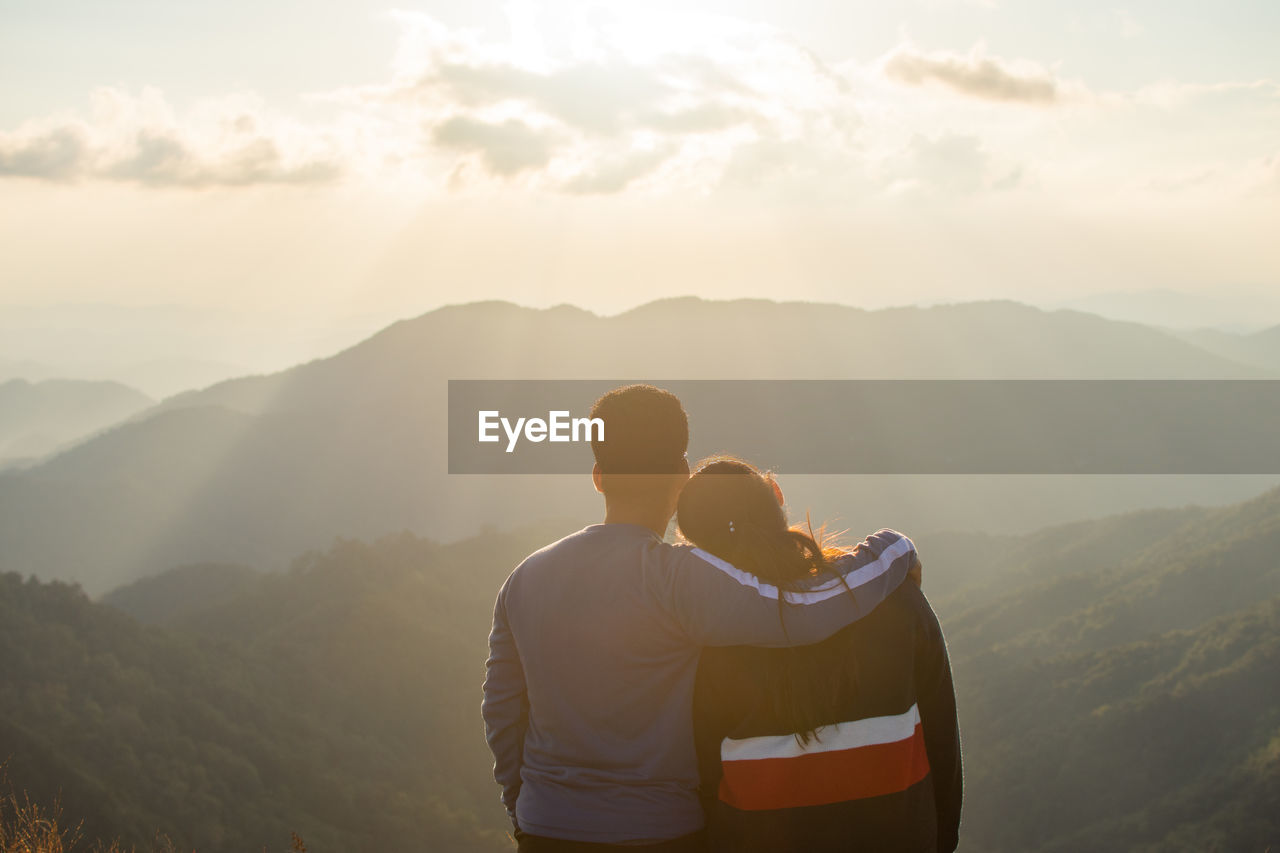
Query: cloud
[[506, 148], [948, 164], [635, 99], [562, 118], [139, 140], [1268, 176], [976, 75], [952, 162], [1011, 180], [707, 117], [162, 159], [1255, 95], [633, 92], [614, 176], [54, 154], [594, 97]]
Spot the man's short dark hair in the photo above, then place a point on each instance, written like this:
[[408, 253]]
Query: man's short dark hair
[[646, 431]]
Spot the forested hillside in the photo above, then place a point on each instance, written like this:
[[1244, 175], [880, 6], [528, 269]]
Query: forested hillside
[[339, 700], [1116, 683]]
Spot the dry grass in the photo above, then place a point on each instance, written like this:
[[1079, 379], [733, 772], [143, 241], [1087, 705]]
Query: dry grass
[[28, 827]]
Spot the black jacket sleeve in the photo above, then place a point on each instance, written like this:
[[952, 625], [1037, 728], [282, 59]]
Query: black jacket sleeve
[[936, 699], [713, 697]]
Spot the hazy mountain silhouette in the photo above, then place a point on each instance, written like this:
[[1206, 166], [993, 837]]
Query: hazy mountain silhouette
[[1260, 349], [164, 377], [1115, 678], [1226, 310], [28, 369], [39, 418], [257, 469], [163, 349], [157, 378]]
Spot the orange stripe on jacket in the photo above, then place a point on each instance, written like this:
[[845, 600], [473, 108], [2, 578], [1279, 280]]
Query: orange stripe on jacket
[[820, 778]]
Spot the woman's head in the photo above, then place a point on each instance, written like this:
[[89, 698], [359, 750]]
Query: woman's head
[[734, 511]]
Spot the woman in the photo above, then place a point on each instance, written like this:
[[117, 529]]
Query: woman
[[848, 745]]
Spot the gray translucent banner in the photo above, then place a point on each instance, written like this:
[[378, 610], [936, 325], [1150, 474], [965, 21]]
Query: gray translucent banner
[[895, 427]]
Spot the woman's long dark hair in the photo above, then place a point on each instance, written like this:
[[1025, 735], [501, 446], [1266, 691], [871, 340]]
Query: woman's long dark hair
[[733, 511]]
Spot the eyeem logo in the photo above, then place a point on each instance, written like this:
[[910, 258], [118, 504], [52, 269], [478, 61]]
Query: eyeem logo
[[557, 427]]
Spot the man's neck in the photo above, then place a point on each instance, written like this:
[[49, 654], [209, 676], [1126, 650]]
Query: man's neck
[[655, 520]]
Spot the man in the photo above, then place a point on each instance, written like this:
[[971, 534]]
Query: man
[[595, 643]]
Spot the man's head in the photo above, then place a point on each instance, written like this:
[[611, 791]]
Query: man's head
[[641, 458]]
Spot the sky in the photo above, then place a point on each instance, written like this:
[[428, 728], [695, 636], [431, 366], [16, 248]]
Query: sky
[[312, 171]]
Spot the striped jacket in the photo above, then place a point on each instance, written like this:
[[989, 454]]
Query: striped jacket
[[882, 775]]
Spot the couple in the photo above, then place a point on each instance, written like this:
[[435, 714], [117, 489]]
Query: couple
[[758, 691]]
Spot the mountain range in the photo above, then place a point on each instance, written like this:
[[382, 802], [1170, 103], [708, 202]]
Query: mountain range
[[257, 469]]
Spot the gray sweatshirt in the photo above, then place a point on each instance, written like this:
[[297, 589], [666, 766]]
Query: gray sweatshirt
[[588, 694]]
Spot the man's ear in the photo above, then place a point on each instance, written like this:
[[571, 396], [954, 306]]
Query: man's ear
[[597, 478]]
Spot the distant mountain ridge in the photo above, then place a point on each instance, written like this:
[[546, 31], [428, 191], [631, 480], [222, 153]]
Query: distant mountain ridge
[[1260, 349], [257, 469], [157, 378], [1226, 309], [42, 417]]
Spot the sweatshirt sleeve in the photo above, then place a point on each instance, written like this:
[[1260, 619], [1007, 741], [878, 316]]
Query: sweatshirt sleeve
[[717, 604], [715, 698], [935, 694], [506, 705]]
